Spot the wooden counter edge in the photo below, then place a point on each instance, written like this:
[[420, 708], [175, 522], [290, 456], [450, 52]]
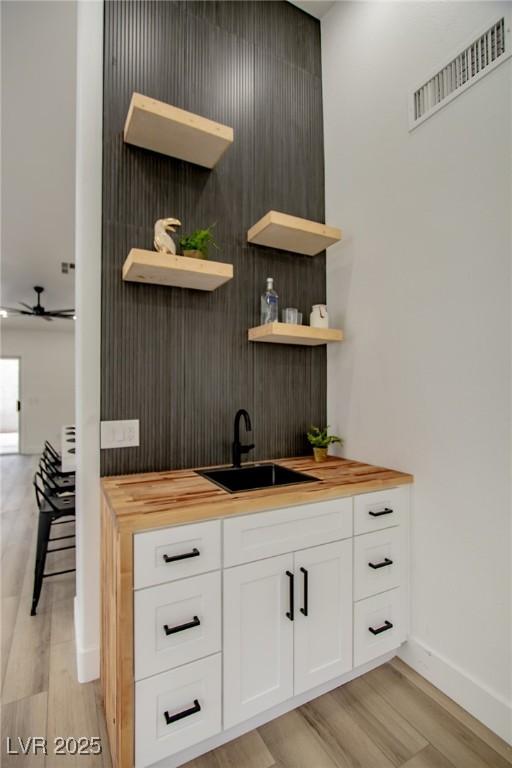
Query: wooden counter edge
[[117, 637]]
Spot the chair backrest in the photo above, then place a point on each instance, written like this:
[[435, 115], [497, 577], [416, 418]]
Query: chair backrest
[[46, 477], [41, 493], [49, 447]]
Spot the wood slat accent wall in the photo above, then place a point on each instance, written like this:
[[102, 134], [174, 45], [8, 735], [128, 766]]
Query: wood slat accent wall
[[176, 359]]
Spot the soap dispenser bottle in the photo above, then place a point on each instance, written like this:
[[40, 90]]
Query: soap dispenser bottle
[[269, 304]]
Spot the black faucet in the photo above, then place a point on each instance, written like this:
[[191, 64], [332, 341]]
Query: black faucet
[[238, 448]]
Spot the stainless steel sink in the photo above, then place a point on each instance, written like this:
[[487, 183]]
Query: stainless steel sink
[[255, 477]]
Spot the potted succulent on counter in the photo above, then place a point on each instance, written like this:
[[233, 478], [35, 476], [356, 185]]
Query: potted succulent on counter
[[196, 245], [320, 440]]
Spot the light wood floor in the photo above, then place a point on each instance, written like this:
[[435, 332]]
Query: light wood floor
[[390, 718]]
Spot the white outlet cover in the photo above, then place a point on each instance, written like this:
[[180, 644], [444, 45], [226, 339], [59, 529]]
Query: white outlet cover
[[119, 434]]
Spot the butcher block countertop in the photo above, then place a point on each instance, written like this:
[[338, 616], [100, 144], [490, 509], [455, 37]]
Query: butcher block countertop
[[157, 499]]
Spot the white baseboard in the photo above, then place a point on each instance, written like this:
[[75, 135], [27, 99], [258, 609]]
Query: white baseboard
[[87, 659], [486, 705]]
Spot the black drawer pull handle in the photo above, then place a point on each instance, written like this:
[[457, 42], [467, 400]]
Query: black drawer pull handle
[[195, 553], [304, 610], [181, 627], [385, 511], [387, 625], [383, 564], [186, 713], [290, 614]]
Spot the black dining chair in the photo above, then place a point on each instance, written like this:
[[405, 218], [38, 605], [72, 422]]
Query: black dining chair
[[53, 509], [54, 460], [62, 481]]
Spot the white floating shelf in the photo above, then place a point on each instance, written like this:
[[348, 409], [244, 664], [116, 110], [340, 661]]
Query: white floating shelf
[[289, 233], [286, 333], [180, 271], [154, 125]]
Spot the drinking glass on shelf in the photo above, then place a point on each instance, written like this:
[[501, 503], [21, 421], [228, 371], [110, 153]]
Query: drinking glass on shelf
[[290, 315]]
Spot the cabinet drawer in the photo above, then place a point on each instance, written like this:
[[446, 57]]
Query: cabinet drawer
[[378, 561], [254, 537], [378, 613], [382, 509], [167, 554], [177, 709], [177, 623]]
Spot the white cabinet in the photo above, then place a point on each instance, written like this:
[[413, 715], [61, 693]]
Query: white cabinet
[[302, 595], [323, 618], [378, 561], [287, 627], [258, 638], [378, 625], [253, 537], [176, 709], [176, 623]]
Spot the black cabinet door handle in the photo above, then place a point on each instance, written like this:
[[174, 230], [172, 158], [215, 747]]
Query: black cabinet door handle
[[304, 610], [385, 511], [382, 564], [181, 627], [186, 713], [290, 614], [195, 553], [387, 625]]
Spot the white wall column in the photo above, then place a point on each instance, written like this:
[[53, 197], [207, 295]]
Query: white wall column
[[89, 111]]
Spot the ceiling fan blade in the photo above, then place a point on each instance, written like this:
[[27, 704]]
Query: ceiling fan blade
[[61, 311], [27, 306], [59, 316], [47, 318], [10, 309]]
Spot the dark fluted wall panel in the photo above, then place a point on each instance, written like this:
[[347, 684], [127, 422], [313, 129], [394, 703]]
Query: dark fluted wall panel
[[179, 360]]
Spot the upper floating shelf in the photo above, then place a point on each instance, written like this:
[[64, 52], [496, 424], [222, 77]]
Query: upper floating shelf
[[180, 271], [289, 233], [171, 131], [286, 333]]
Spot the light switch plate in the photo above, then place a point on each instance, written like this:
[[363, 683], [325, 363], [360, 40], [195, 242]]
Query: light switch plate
[[119, 434]]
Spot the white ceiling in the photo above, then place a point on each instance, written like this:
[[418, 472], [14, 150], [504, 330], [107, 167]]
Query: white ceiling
[[317, 8], [38, 49]]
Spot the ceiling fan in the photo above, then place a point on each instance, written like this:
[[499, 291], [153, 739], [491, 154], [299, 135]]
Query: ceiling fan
[[38, 310]]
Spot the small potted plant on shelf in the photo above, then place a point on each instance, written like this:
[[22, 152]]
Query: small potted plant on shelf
[[320, 441], [196, 245]]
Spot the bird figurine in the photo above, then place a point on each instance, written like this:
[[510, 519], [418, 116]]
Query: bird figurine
[[163, 242]]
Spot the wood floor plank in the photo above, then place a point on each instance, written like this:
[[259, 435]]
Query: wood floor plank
[[9, 610], [20, 720], [393, 735], [294, 744], [447, 734], [346, 742], [428, 758], [72, 707], [28, 663], [62, 622], [484, 733], [249, 751]]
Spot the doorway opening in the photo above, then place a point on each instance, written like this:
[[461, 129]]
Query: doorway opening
[[9, 405]]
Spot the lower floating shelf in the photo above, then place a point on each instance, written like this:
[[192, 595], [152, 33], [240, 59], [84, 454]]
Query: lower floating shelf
[[286, 333], [180, 271]]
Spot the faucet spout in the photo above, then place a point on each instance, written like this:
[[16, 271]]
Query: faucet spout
[[238, 449]]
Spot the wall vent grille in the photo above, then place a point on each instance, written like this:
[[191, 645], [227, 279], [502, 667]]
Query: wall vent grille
[[483, 54]]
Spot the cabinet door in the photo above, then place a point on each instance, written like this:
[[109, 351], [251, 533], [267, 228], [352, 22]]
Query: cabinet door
[[323, 616], [258, 638]]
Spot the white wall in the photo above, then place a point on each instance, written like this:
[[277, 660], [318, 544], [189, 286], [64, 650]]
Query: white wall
[[47, 383], [422, 288]]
